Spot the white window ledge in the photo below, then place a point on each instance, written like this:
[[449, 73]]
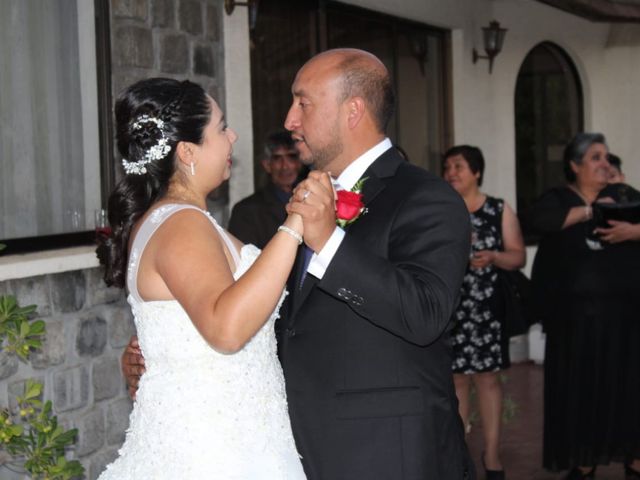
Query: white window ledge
[[50, 261]]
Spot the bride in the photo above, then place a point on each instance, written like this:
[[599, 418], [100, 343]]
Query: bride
[[211, 403]]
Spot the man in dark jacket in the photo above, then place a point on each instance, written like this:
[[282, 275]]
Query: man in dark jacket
[[256, 218], [364, 345]]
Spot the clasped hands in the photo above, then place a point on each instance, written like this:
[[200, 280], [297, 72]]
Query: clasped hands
[[314, 199], [482, 259]]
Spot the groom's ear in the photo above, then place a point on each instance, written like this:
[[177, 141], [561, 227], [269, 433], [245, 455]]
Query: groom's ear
[[356, 109]]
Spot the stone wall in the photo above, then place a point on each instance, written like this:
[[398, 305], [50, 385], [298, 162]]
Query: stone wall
[[179, 39], [88, 326]]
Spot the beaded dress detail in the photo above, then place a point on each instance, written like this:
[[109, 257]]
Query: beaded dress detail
[[201, 414]]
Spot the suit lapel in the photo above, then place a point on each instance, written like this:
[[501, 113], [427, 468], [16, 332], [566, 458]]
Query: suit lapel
[[303, 291], [384, 166]]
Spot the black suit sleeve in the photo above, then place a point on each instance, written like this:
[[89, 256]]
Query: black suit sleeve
[[242, 224], [413, 290]]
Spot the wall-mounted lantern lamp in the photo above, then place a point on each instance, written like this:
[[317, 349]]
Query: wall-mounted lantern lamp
[[493, 37], [230, 5]]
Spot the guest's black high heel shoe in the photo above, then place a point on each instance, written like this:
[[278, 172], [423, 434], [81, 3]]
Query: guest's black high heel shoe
[[492, 474], [576, 474], [631, 473]]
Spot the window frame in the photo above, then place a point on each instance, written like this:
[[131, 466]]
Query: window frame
[[104, 149]]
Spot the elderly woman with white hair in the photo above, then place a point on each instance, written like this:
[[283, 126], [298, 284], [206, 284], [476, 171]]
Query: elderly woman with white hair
[[585, 280]]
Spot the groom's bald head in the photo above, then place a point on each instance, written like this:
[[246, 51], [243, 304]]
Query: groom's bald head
[[361, 74]]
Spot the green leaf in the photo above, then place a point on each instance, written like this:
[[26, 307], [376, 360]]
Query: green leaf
[[57, 432], [33, 389], [37, 327], [33, 343], [24, 329], [29, 309], [67, 437], [22, 355], [8, 303], [74, 468]]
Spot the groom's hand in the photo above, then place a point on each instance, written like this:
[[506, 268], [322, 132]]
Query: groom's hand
[[314, 200], [132, 366]]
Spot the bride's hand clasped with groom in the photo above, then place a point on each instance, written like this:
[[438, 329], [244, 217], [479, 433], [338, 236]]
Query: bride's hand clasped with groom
[[314, 199]]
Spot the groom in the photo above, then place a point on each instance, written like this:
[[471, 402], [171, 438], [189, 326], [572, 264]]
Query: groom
[[364, 343]]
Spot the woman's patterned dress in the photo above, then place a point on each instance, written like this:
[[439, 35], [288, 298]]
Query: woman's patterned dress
[[477, 336]]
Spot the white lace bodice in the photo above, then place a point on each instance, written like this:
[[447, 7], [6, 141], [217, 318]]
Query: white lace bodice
[[200, 413]]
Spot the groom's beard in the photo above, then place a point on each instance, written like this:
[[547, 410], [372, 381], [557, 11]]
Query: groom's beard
[[321, 156]]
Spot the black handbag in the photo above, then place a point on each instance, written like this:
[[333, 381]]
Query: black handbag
[[515, 290]]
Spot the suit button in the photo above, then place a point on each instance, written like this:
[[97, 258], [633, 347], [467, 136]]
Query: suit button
[[291, 332], [344, 293]]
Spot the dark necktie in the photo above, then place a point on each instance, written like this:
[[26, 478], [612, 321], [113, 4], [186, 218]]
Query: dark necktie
[[308, 253]]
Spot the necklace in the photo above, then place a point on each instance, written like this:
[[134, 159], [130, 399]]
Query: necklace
[[582, 195]]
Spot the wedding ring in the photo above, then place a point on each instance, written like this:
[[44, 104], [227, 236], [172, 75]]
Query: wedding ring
[[305, 195]]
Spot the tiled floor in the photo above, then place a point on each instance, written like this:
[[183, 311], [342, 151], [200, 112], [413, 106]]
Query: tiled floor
[[522, 437]]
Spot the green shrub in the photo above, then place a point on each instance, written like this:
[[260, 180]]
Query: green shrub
[[30, 437]]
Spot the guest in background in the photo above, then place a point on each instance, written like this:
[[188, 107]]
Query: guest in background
[[256, 218], [588, 291], [615, 169], [481, 346]]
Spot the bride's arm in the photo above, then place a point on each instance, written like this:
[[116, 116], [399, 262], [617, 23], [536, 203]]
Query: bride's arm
[[189, 257]]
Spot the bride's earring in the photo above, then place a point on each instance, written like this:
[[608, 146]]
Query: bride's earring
[[193, 169]]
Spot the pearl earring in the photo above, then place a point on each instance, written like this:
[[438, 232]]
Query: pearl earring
[[193, 169]]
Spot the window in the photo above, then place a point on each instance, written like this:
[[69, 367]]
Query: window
[[548, 108], [49, 122]]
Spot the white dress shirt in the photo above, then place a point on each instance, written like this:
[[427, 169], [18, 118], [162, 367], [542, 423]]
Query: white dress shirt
[[320, 261]]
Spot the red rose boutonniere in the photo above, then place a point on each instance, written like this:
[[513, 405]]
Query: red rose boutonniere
[[349, 206]]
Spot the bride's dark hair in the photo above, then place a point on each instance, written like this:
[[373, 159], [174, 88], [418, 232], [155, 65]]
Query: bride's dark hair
[[185, 110]]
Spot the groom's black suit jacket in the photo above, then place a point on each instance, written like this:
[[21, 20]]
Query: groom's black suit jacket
[[365, 350]]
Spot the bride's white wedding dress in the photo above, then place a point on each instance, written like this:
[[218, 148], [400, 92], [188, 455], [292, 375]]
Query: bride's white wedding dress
[[200, 414]]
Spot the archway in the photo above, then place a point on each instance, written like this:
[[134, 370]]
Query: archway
[[548, 112]]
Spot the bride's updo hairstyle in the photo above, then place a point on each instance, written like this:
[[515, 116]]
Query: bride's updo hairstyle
[[152, 116]]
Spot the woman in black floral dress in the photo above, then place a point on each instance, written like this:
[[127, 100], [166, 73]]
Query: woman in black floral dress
[[480, 349]]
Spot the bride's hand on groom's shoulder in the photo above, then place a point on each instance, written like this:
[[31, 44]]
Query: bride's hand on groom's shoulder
[[132, 364], [314, 200]]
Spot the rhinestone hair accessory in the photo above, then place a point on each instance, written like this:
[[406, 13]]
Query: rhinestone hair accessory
[[155, 152]]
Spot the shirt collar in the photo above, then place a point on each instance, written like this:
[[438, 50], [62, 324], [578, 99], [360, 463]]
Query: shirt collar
[[356, 169]]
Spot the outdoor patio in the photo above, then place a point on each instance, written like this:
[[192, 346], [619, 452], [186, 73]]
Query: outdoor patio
[[522, 436]]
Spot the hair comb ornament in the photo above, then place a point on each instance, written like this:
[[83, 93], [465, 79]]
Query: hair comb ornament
[[155, 152]]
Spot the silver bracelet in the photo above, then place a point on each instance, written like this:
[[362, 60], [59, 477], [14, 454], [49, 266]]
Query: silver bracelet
[[292, 232]]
